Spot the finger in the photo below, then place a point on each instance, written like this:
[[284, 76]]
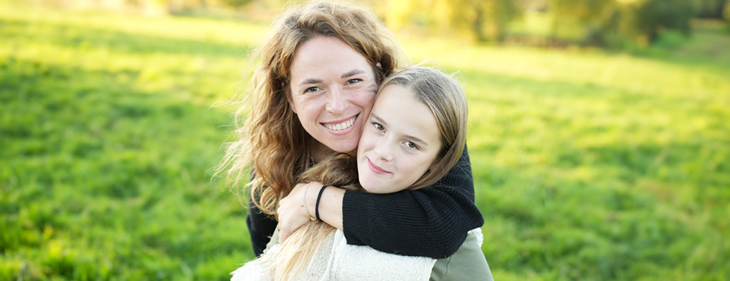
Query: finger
[[283, 235]]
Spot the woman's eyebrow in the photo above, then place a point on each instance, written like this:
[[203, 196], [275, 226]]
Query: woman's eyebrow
[[310, 81], [352, 73], [344, 75]]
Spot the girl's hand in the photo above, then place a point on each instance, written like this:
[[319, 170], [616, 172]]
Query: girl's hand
[[295, 209]]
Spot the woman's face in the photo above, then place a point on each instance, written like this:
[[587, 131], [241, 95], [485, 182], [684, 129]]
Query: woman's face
[[332, 88], [399, 143]]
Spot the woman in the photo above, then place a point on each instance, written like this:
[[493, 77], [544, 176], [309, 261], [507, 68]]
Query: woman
[[312, 92]]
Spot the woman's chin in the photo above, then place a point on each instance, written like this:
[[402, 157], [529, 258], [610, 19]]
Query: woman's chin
[[344, 145]]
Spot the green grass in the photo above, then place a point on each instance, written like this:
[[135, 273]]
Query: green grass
[[589, 165], [107, 137]]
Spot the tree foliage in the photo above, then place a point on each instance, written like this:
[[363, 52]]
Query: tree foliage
[[591, 16], [710, 8], [653, 16], [589, 22], [235, 3], [608, 22], [485, 20]]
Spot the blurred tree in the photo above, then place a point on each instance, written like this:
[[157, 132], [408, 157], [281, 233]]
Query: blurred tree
[[235, 3], [654, 16], [610, 22], [492, 18], [593, 18], [484, 20], [712, 9]]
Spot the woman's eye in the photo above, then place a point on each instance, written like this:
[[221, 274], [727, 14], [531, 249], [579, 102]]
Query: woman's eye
[[379, 127], [410, 144], [311, 90]]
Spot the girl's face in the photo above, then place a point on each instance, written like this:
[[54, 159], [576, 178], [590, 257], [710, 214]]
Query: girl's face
[[332, 89], [399, 142]]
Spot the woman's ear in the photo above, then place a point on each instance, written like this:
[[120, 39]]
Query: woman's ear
[[288, 97]]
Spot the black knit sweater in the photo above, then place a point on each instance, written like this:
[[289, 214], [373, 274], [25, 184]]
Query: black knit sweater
[[430, 222]]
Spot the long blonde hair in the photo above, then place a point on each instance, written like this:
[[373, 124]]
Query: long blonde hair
[[448, 104], [339, 170], [272, 140]]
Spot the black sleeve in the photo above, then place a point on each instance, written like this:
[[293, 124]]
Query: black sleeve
[[430, 222], [260, 226]]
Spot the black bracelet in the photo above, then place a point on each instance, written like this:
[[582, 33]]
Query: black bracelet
[[316, 205]]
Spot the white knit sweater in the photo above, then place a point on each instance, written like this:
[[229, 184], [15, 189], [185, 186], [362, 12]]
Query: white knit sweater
[[336, 260]]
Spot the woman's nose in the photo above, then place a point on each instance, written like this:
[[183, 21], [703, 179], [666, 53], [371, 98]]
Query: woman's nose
[[336, 102]]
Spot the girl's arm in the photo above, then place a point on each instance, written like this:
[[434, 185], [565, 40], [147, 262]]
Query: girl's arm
[[430, 222]]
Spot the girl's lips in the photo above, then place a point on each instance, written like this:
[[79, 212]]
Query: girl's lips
[[376, 169]]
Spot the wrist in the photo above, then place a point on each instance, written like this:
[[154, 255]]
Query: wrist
[[304, 200], [311, 198], [330, 205], [316, 205]]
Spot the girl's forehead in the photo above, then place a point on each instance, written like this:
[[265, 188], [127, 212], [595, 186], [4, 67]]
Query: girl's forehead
[[399, 110], [400, 104], [394, 93]]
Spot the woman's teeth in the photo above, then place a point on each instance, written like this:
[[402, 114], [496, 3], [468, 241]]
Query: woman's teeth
[[341, 126]]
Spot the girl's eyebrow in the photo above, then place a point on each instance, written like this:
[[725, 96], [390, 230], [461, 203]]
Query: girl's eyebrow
[[382, 122], [423, 143]]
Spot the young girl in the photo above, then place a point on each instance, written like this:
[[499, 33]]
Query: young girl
[[414, 135]]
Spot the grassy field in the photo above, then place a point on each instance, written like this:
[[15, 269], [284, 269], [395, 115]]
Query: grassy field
[[589, 165]]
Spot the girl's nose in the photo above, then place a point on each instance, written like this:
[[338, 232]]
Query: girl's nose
[[384, 150]]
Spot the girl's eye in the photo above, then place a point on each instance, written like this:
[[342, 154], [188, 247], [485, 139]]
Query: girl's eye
[[379, 127], [410, 144], [311, 90], [354, 80]]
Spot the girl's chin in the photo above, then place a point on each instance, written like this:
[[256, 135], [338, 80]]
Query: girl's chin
[[369, 187]]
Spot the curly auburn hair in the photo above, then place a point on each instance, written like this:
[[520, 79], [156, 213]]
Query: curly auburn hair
[[271, 140]]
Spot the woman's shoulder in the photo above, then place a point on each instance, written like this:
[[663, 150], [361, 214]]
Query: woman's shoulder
[[468, 263]]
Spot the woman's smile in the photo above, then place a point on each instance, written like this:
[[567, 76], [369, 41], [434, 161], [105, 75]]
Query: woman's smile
[[339, 127]]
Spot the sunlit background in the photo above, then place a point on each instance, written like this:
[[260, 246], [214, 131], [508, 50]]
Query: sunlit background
[[599, 133]]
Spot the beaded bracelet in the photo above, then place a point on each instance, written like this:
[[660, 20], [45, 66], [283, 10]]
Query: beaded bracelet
[[304, 200], [316, 205]]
